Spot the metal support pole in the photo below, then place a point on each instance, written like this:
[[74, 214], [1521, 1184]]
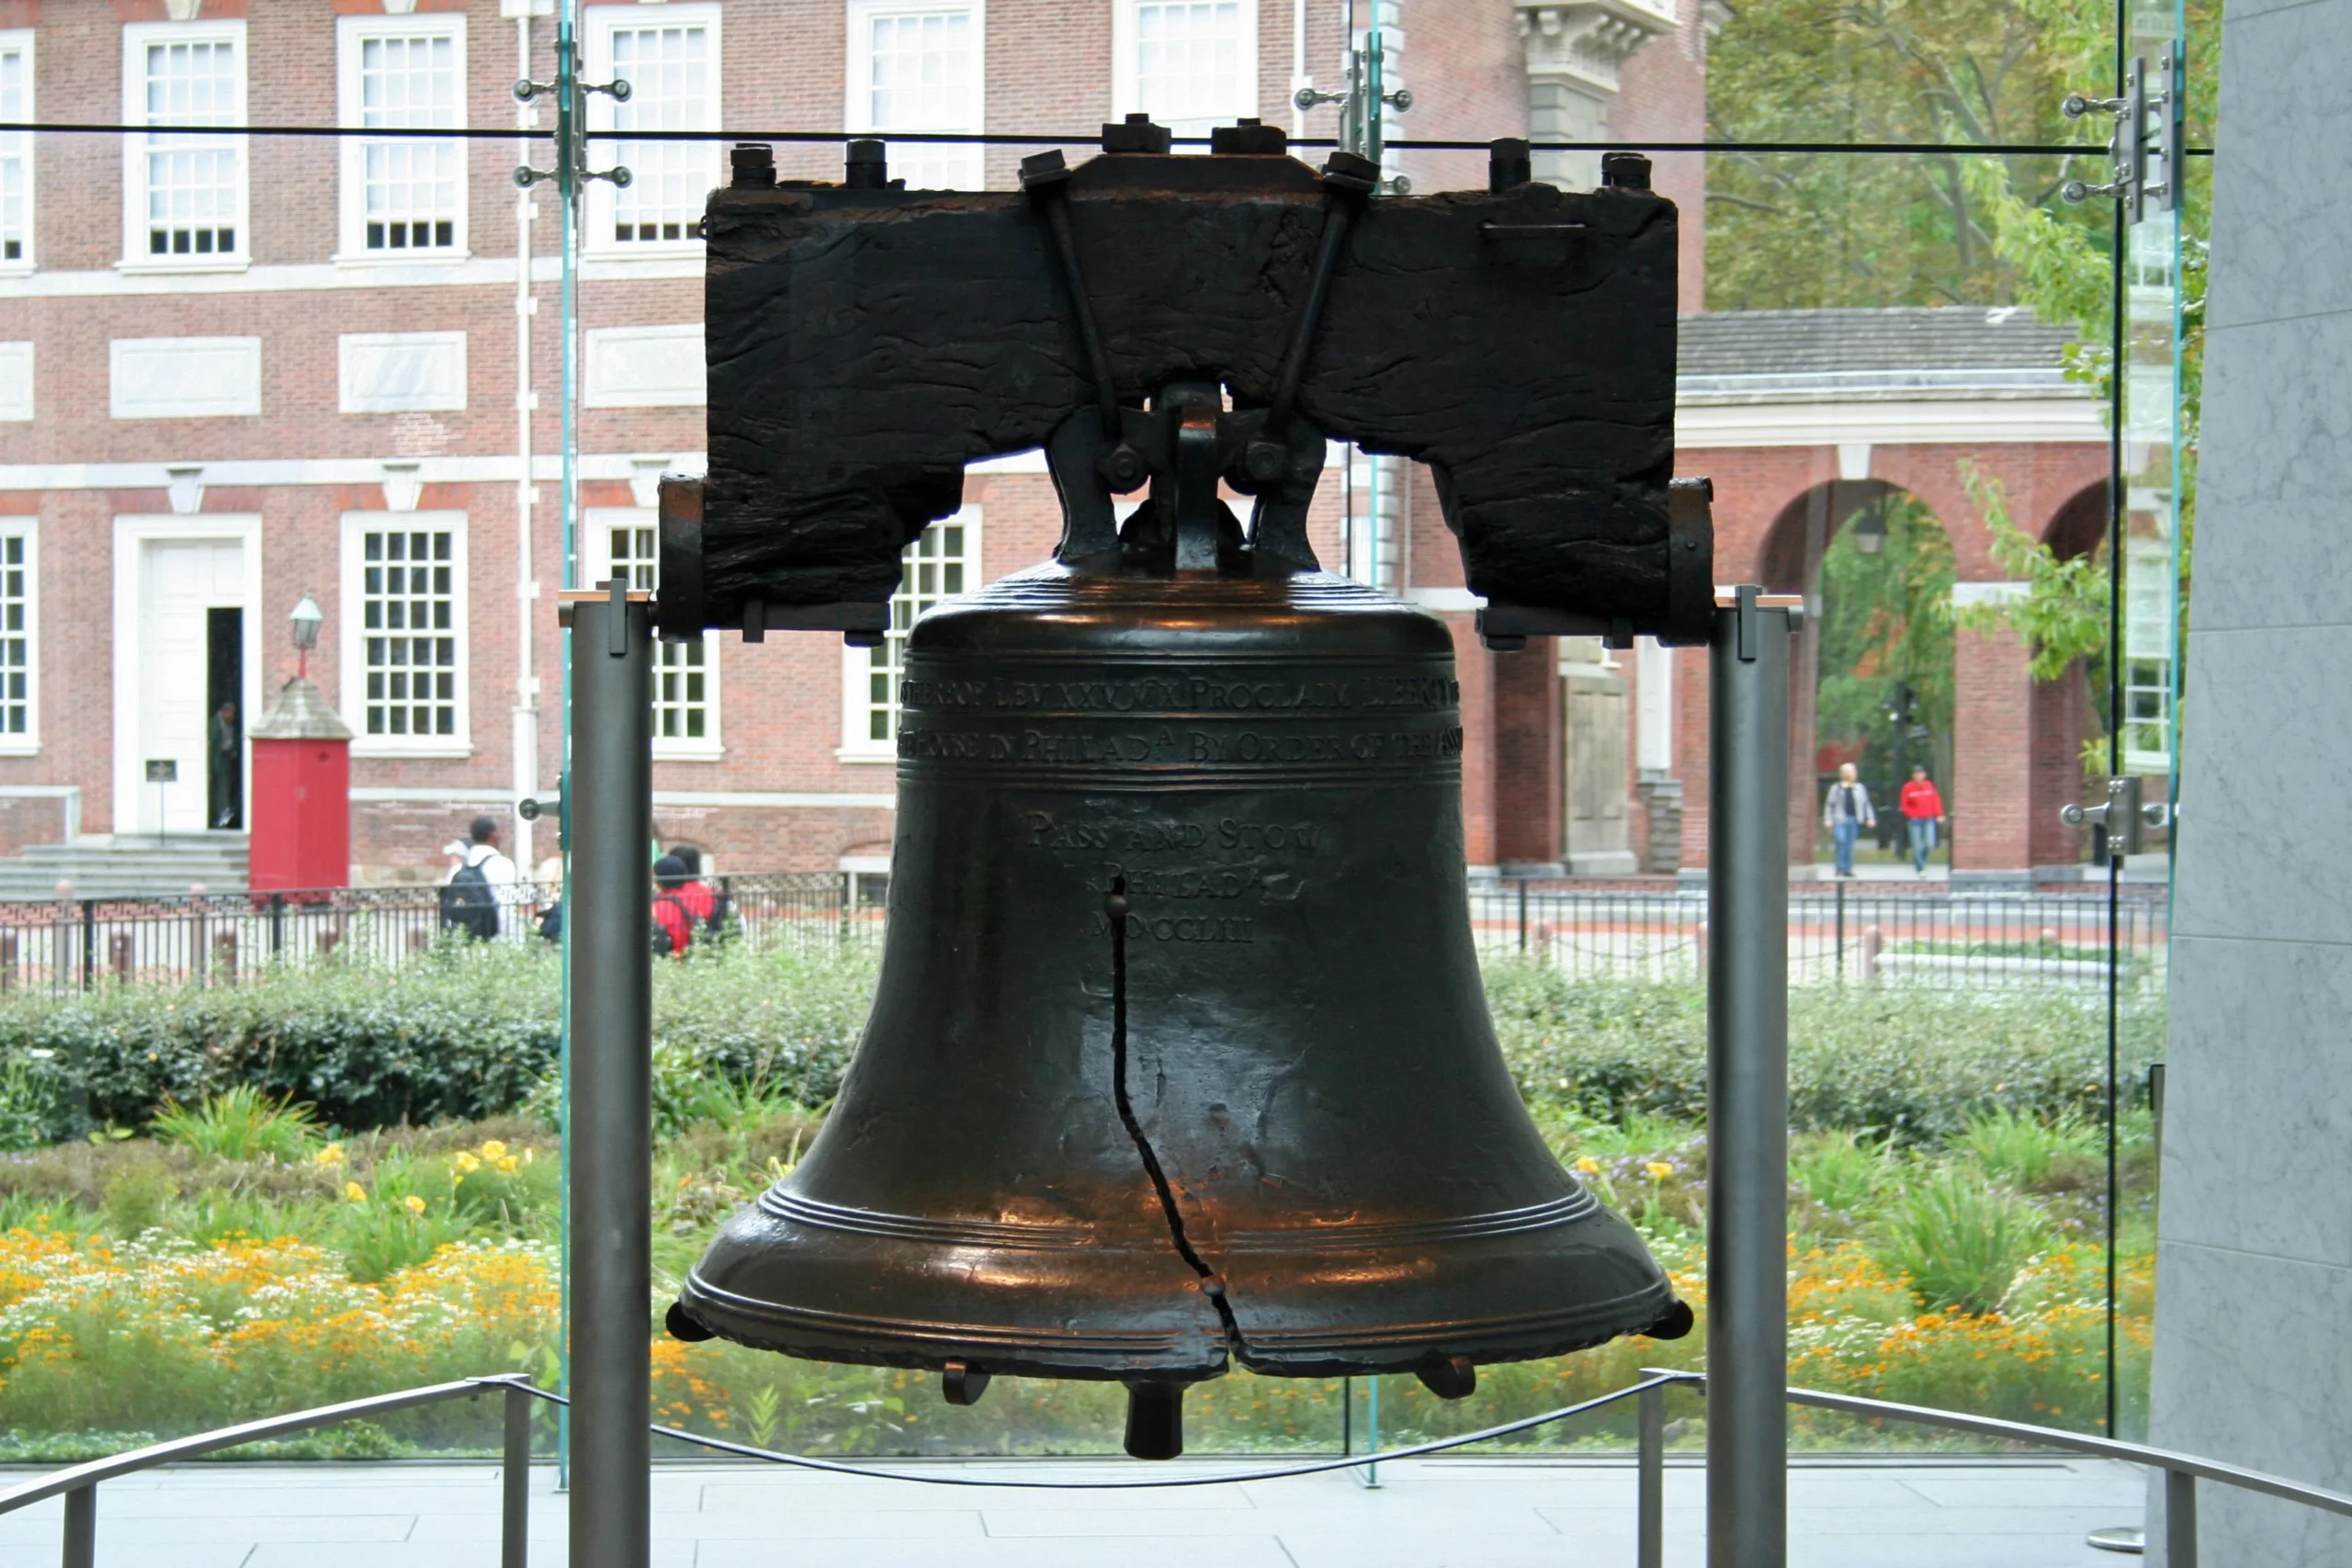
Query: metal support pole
[[610, 802], [82, 1526], [515, 1485], [1649, 1501], [2180, 1520], [1748, 1081]]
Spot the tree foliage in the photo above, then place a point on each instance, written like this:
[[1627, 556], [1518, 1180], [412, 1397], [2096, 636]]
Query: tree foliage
[[1887, 618], [1796, 231]]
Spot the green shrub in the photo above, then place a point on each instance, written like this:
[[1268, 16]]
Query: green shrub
[[469, 1031], [1835, 1173], [239, 1122], [1961, 1242], [1914, 1064], [2020, 1148]]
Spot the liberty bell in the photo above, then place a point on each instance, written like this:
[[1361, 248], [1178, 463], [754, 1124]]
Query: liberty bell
[[1179, 1058]]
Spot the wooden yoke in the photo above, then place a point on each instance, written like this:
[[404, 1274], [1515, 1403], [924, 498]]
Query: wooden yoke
[[865, 343]]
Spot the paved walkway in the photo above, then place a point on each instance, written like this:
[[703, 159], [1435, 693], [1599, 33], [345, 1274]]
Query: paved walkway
[[1474, 1513]]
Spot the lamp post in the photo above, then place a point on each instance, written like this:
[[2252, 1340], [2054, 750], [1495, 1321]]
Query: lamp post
[[1870, 531], [306, 620]]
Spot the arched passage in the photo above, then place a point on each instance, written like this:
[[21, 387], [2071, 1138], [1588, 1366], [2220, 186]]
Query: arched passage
[[1873, 681], [2064, 711]]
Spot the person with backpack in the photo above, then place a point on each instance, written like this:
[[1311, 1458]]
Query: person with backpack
[[711, 910], [482, 884], [673, 926]]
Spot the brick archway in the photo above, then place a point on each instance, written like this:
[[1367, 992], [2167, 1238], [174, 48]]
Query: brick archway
[[2015, 740]]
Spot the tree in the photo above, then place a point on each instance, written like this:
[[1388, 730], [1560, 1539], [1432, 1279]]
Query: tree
[[1792, 231], [1885, 627]]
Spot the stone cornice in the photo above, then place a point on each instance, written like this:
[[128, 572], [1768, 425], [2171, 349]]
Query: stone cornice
[[1587, 42]]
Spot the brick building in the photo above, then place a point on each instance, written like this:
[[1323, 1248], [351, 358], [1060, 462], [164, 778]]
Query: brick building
[[235, 370]]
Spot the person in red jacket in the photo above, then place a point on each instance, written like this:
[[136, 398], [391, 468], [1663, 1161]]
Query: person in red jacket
[[673, 927], [1923, 810]]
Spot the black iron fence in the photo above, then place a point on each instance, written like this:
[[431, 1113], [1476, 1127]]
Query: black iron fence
[[1839, 934], [1857, 935], [216, 938]]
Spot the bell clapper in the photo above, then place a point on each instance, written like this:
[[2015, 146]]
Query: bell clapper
[[1456, 1377], [960, 1382], [1155, 1420]]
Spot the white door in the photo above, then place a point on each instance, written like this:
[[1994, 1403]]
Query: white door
[[179, 581]]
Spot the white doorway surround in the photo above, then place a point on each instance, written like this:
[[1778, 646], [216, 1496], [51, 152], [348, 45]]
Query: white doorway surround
[[168, 573]]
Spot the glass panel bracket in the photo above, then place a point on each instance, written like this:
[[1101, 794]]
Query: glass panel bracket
[[2144, 155]]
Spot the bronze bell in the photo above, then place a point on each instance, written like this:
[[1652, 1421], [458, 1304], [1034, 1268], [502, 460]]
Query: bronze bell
[[1179, 1055]]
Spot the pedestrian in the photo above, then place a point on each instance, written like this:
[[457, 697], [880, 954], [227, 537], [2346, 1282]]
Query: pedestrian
[[226, 772], [710, 909], [1848, 812], [481, 886], [673, 927], [1923, 811]]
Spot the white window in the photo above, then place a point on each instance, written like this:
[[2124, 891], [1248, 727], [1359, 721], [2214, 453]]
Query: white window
[[185, 190], [943, 563], [669, 57], [917, 66], [685, 674], [404, 631], [17, 151], [20, 636], [403, 198], [1190, 64]]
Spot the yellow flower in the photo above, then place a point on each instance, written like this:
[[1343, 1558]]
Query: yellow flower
[[466, 1162], [330, 1154], [491, 1149], [415, 1204], [356, 1193], [1588, 1166], [1659, 1171], [507, 1163]]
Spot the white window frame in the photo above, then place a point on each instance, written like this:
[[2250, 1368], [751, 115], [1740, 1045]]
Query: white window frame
[[352, 35], [27, 743], [605, 151], [136, 38], [18, 144], [597, 566], [1126, 89], [857, 97], [356, 527], [859, 744]]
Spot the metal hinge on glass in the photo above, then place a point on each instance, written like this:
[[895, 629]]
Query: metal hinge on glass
[[530, 809], [2124, 816], [2146, 148]]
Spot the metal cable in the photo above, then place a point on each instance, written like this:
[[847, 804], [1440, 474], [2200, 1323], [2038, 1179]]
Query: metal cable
[[836, 1467], [1006, 139]]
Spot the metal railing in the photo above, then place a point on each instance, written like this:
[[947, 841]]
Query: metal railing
[[1905, 936], [78, 1484], [1908, 936], [218, 938]]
